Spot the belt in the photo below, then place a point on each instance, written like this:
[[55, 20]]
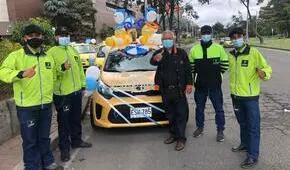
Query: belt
[[171, 87]]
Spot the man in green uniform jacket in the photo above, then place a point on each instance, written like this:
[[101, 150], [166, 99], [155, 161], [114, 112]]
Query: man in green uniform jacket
[[68, 91], [247, 68], [209, 61], [32, 73]]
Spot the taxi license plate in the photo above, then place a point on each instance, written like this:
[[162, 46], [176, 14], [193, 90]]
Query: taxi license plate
[[140, 112]]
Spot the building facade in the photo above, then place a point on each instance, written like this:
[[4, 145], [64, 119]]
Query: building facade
[[17, 10]]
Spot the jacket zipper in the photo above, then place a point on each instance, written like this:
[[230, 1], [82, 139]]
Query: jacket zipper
[[40, 82], [236, 75], [250, 87], [195, 78], [60, 87], [21, 98], [71, 70]]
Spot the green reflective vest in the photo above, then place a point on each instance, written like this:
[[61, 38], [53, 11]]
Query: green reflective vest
[[71, 80], [34, 91], [208, 62], [244, 79]]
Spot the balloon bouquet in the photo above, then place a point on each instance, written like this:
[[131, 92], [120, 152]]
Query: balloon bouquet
[[126, 34], [125, 38]]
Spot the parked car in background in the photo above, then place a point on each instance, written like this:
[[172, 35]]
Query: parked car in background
[[227, 43], [88, 54]]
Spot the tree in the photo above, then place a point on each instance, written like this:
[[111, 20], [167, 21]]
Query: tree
[[218, 29], [77, 15], [277, 14], [247, 4]]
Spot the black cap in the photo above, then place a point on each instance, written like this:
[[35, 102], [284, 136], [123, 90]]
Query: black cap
[[237, 30], [206, 29], [32, 28], [61, 31]]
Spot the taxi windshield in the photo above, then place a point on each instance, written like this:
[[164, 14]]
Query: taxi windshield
[[83, 49], [119, 61]]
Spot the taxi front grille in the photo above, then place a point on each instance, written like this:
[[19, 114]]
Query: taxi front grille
[[125, 110]]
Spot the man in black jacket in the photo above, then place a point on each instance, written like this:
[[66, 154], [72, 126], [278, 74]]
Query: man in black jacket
[[173, 79], [209, 61]]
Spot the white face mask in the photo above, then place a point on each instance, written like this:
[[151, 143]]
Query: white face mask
[[64, 41], [238, 43]]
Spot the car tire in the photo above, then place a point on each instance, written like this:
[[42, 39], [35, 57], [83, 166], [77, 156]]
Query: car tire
[[92, 117]]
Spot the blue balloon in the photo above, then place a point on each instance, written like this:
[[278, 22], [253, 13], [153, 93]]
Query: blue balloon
[[92, 84], [140, 23], [128, 25]]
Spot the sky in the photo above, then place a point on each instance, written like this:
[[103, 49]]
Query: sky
[[222, 10]]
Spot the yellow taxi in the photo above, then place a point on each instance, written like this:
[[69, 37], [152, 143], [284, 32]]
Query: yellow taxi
[[90, 55], [126, 96]]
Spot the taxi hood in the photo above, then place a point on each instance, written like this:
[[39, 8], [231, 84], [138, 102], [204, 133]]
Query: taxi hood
[[141, 81]]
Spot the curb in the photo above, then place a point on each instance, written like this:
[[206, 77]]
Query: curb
[[274, 48]]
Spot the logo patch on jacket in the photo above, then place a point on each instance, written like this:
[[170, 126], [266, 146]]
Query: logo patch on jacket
[[48, 65], [245, 63], [216, 61], [76, 58]]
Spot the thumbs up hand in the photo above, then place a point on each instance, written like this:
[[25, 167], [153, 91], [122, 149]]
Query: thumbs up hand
[[67, 65], [30, 72], [158, 57]]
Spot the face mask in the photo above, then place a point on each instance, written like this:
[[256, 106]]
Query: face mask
[[168, 43], [35, 42], [64, 41], [238, 43], [206, 38]]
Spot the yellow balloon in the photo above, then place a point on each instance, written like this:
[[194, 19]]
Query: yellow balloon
[[143, 39], [147, 30], [110, 42]]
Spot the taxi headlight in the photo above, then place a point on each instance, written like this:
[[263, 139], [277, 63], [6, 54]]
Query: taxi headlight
[[105, 90]]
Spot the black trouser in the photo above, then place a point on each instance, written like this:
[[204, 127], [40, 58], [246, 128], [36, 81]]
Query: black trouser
[[35, 125], [216, 97], [176, 108], [69, 110]]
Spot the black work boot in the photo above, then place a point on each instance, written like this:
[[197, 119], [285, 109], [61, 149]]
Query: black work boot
[[82, 145], [239, 148], [220, 136], [169, 140], [53, 166], [249, 163], [64, 156], [198, 132]]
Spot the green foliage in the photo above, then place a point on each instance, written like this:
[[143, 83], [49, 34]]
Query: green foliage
[[276, 15], [219, 30], [18, 30], [77, 15], [6, 47]]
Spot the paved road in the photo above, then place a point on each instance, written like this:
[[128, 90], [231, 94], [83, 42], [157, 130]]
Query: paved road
[[143, 149]]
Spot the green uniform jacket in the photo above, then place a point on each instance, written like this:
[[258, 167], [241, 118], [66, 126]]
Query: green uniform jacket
[[208, 62], [29, 92], [244, 79], [71, 80]]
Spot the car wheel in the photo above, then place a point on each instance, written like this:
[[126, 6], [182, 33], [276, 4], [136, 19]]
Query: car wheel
[[92, 115]]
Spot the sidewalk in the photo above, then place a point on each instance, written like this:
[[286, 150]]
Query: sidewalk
[[11, 150]]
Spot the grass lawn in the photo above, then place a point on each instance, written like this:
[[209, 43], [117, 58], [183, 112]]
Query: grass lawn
[[283, 43]]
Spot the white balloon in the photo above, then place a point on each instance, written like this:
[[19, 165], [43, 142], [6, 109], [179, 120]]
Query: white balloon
[[93, 71], [151, 16], [93, 41], [119, 17]]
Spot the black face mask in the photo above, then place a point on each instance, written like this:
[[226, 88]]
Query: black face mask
[[35, 42]]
